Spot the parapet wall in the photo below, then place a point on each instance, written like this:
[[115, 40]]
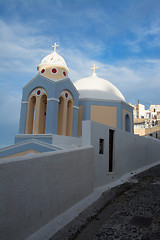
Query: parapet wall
[[130, 152], [35, 190]]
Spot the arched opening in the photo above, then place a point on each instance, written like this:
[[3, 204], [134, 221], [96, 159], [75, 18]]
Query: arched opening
[[42, 114], [127, 123], [69, 118], [65, 113], [36, 113], [31, 115], [60, 130], [80, 116]]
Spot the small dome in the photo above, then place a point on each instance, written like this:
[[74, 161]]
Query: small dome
[[54, 59], [97, 88]]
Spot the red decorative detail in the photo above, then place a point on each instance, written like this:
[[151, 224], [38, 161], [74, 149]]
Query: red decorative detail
[[43, 70], [54, 70], [66, 95], [64, 73], [38, 92]]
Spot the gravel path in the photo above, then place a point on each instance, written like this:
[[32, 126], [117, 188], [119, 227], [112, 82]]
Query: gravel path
[[129, 211]]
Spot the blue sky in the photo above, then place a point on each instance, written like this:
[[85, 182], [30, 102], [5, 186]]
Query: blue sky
[[121, 37]]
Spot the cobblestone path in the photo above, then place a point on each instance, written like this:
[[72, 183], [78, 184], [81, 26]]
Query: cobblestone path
[[130, 211]]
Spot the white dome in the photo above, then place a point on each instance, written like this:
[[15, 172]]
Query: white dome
[[94, 87], [54, 59]]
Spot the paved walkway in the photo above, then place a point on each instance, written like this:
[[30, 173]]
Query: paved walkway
[[130, 211]]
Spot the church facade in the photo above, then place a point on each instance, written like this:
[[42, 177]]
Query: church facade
[[75, 142], [54, 106]]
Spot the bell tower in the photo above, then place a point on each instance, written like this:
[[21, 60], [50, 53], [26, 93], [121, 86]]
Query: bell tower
[[50, 102]]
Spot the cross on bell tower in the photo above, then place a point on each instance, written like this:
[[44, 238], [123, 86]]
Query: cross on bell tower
[[94, 68], [55, 46]]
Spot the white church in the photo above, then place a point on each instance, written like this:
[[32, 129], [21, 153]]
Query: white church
[[54, 106], [75, 141]]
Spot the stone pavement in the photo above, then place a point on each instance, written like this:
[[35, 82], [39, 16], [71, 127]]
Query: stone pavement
[[129, 211]]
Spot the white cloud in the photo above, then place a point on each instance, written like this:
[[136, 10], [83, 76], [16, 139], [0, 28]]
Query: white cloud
[[25, 53], [134, 77], [147, 36], [19, 48], [10, 107]]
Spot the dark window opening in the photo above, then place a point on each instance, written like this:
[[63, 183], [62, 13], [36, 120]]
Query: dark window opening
[[101, 146], [111, 139], [127, 123]]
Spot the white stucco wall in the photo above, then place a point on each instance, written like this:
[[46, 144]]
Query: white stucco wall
[[130, 152], [35, 190], [66, 141], [142, 111], [39, 192]]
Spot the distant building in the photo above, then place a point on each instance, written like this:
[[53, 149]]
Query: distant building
[[147, 122]]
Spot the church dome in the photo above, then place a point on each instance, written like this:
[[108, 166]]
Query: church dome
[[97, 88], [54, 59], [53, 66]]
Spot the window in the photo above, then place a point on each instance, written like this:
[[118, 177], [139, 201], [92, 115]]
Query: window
[[101, 146], [54, 70], [127, 123]]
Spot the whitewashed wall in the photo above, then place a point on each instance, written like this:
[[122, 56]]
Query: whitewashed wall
[[35, 190], [130, 152]]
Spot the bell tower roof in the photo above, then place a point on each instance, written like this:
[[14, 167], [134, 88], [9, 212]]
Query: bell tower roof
[[54, 60]]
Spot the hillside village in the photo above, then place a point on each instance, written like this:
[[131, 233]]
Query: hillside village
[[146, 122]]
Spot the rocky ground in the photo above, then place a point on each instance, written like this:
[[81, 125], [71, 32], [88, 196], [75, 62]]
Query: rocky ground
[[129, 211]]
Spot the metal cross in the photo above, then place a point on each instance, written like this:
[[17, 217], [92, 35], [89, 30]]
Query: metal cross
[[54, 46], [94, 68]]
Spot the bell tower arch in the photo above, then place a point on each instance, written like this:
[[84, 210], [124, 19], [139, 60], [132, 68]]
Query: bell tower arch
[[65, 113], [36, 112]]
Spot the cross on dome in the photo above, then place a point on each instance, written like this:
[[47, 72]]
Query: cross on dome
[[55, 46], [94, 68]]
